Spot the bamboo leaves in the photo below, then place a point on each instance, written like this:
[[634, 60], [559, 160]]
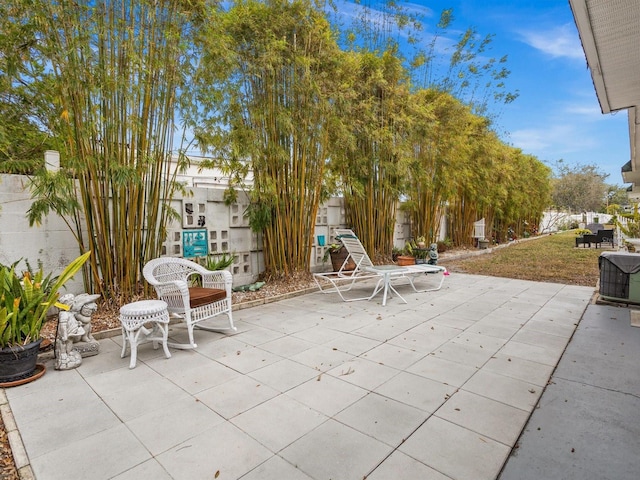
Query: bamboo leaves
[[117, 69], [277, 89], [278, 105]]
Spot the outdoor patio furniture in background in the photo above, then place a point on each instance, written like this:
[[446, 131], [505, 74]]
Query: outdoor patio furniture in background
[[602, 236], [133, 318], [365, 269], [191, 292], [585, 240]]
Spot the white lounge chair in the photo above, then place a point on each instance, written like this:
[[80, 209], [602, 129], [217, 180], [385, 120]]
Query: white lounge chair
[[173, 279], [365, 269]]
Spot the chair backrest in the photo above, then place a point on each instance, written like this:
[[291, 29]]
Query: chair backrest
[[167, 269], [605, 235], [355, 248]]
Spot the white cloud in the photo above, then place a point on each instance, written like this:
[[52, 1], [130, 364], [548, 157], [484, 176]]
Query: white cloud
[[588, 111], [558, 42], [417, 9], [554, 141]]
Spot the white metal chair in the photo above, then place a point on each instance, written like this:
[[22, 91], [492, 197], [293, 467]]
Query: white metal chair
[[175, 282]]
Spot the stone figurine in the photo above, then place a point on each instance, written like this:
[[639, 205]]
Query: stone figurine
[[433, 254], [73, 338]]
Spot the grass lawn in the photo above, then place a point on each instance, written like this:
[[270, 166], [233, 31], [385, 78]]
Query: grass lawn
[[548, 258]]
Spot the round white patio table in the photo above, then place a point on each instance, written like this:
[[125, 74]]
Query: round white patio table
[[134, 316]]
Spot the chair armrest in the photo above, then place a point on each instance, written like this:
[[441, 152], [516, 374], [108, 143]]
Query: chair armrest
[[175, 293], [220, 279]]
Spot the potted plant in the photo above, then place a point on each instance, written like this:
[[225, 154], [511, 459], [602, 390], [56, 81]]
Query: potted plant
[[217, 261], [24, 302], [421, 255], [338, 254], [407, 258], [443, 245]]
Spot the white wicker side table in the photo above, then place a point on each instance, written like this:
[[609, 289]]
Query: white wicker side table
[[134, 316]]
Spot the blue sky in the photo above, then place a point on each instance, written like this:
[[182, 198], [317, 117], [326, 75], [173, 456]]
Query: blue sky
[[557, 114]]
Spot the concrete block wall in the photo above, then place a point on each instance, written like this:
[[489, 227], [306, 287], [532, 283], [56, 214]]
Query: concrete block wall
[[207, 224]]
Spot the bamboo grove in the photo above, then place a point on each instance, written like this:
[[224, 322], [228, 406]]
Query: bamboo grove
[[271, 92], [110, 72]]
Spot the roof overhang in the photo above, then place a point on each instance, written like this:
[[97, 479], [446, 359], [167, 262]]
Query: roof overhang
[[610, 35]]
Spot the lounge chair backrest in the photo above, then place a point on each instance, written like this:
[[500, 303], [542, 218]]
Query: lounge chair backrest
[[355, 248]]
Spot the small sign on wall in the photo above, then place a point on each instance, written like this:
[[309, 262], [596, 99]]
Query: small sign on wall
[[193, 214], [194, 243]]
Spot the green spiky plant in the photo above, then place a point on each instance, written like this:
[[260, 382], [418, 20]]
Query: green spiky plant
[[24, 301]]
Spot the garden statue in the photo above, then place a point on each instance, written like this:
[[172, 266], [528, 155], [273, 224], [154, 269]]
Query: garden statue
[[433, 254], [73, 338]]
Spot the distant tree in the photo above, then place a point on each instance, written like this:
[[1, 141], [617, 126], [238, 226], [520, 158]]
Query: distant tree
[[579, 187], [617, 195], [22, 141]]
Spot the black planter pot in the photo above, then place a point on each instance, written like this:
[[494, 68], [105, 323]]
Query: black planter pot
[[19, 362]]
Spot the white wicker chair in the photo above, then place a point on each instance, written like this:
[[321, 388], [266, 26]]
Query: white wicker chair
[[173, 279]]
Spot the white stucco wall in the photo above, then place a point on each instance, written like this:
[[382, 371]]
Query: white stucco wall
[[51, 242]]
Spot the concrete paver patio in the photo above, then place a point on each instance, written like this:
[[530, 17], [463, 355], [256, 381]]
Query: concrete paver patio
[[314, 388]]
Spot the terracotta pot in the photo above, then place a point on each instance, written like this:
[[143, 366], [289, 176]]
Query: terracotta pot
[[338, 258], [406, 260]]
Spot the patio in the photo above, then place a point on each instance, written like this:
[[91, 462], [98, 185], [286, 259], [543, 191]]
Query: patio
[[314, 388]]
